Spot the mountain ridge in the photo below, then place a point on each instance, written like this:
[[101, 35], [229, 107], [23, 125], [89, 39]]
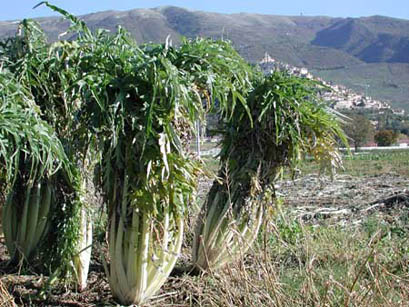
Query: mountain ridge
[[331, 46]]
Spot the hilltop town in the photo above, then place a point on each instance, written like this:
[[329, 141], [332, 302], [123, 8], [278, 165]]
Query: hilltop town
[[338, 96]]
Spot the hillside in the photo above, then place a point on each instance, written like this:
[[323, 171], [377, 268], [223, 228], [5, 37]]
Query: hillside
[[339, 97], [349, 51], [372, 39], [385, 81]]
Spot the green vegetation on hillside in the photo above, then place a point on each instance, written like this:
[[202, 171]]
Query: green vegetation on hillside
[[296, 40], [384, 81]]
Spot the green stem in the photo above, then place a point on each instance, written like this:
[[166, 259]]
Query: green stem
[[29, 244], [43, 214], [10, 234], [24, 217]]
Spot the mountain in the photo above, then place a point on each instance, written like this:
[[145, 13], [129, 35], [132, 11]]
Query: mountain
[[369, 54], [372, 39]]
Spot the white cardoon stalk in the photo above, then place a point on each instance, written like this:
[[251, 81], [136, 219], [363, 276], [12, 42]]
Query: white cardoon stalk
[[84, 247], [141, 258], [221, 237], [139, 266], [23, 238]]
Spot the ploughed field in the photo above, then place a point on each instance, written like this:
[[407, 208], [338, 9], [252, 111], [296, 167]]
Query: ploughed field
[[327, 243]]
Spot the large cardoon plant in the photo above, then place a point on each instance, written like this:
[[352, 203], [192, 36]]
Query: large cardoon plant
[[48, 73], [286, 123], [143, 104], [30, 157]]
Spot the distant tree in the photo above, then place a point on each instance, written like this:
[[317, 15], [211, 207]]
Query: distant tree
[[386, 137], [359, 129]]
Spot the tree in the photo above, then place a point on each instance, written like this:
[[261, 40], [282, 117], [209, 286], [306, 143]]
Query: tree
[[359, 129], [386, 137]]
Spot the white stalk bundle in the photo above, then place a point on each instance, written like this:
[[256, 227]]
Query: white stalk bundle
[[221, 236], [24, 230], [142, 255]]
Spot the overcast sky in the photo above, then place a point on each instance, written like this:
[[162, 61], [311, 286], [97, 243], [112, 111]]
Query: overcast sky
[[18, 9]]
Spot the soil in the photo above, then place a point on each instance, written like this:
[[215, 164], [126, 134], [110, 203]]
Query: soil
[[346, 200]]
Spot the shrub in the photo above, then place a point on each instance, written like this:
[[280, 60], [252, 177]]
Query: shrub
[[386, 137]]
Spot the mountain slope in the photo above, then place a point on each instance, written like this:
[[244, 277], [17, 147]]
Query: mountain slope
[[384, 81], [252, 34], [337, 48], [372, 39]]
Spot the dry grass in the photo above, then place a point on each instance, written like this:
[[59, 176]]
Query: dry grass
[[326, 267], [357, 259], [6, 300]]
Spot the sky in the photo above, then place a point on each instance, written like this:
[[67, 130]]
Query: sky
[[19, 9]]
